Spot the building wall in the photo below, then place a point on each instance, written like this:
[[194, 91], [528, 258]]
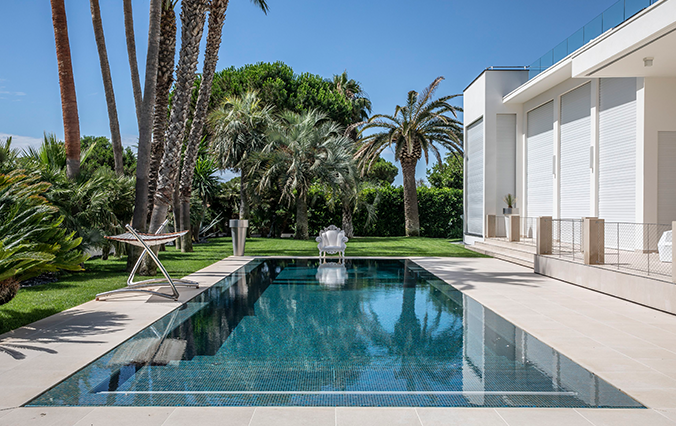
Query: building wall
[[660, 116], [483, 100], [655, 113]]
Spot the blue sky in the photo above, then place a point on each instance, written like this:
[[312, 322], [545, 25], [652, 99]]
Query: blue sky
[[391, 47]]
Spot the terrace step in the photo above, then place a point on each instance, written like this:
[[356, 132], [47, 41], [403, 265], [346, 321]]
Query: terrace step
[[518, 247], [520, 254]]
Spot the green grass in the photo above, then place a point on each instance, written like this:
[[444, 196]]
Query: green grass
[[72, 289]]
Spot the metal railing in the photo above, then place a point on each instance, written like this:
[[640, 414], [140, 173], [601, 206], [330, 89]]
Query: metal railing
[[567, 238], [610, 18], [634, 247], [528, 229]]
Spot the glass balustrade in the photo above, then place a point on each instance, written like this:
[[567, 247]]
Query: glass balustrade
[[610, 18]]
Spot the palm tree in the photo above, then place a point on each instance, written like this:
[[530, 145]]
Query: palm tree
[[144, 102], [192, 24], [239, 129], [115, 138], [71, 120], [361, 108], [8, 156], [353, 92], [165, 78], [216, 20], [304, 149], [413, 130]]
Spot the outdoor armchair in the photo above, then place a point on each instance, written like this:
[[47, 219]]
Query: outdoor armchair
[[332, 240]]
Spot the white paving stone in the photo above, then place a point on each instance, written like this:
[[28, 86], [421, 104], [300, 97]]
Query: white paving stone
[[631, 346]]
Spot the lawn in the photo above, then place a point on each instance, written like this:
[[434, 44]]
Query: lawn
[[72, 289]]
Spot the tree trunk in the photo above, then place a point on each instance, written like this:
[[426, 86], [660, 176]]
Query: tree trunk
[[186, 223], [165, 78], [216, 20], [301, 217], [71, 120], [412, 220], [243, 196], [131, 54], [149, 267], [192, 25], [186, 240], [347, 218], [178, 220], [108, 87], [144, 110]]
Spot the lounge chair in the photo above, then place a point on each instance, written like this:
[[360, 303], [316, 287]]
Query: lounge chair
[[332, 240], [146, 241]]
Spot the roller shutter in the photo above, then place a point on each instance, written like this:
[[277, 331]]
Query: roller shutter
[[540, 151], [475, 178], [575, 142], [617, 149]]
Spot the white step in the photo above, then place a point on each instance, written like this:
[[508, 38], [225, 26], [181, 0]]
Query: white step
[[519, 255]]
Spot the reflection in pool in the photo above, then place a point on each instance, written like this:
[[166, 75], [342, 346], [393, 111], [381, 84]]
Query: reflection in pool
[[367, 333]]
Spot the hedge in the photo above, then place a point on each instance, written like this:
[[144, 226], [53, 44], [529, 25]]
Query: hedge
[[440, 212]]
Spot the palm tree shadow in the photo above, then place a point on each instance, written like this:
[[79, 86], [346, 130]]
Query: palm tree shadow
[[10, 350], [73, 326]]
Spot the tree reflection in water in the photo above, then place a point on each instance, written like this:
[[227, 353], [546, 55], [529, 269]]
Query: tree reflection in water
[[272, 329]]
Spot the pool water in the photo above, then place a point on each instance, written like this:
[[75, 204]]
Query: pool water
[[367, 333]]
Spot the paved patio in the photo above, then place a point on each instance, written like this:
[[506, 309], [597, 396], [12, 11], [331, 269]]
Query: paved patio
[[630, 346]]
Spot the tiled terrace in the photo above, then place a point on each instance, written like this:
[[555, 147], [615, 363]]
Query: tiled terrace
[[632, 347]]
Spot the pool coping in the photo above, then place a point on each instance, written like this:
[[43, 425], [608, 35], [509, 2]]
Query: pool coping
[[572, 322]]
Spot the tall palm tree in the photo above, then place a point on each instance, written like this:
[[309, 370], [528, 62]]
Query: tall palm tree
[[239, 129], [144, 102], [353, 92], [414, 129], [165, 78], [192, 24], [217, 11], [115, 138], [71, 120], [304, 149], [361, 108]]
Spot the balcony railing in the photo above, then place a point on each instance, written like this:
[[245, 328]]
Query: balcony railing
[[610, 18], [633, 247], [567, 235]]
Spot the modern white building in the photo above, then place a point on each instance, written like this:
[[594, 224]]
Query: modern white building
[[588, 130]]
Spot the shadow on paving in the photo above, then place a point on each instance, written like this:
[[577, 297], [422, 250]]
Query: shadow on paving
[[70, 326], [464, 278]]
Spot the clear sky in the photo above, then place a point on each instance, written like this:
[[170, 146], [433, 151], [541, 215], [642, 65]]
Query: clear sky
[[391, 47]]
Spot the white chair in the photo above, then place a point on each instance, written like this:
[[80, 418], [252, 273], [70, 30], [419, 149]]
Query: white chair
[[664, 247], [332, 240]]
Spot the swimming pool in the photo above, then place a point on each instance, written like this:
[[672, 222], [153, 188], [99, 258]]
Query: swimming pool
[[293, 332]]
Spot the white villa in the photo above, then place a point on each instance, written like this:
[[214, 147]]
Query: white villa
[[588, 130]]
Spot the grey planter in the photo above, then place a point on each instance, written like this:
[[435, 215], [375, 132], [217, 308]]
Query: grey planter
[[507, 210]]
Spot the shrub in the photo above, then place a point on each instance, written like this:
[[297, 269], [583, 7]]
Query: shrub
[[32, 240], [440, 212]]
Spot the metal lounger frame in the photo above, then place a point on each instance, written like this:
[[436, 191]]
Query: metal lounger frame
[[153, 282]]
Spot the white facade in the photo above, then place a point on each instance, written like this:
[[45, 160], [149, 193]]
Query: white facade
[[594, 135]]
